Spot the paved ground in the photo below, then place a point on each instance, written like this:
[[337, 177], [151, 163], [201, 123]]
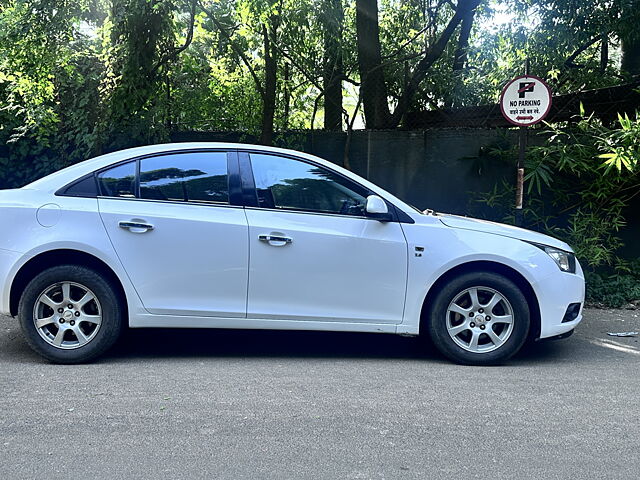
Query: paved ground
[[253, 405]]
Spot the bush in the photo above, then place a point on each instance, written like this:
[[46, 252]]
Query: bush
[[615, 290]]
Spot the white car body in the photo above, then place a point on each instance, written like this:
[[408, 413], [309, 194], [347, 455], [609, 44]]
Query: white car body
[[203, 266]]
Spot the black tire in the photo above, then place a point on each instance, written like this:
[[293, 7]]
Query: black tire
[[439, 319], [104, 336]]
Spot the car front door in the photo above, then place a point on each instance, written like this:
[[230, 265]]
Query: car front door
[[182, 243], [314, 255]]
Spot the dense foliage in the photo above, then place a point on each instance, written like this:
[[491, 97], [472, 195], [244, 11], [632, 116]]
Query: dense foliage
[[82, 77], [616, 289]]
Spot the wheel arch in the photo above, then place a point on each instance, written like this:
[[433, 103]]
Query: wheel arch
[[486, 266], [57, 257]]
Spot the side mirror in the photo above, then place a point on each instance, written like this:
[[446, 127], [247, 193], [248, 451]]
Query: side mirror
[[377, 208]]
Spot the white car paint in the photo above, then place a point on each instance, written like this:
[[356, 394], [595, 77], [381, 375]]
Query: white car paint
[[339, 273], [486, 226], [339, 269], [177, 270]]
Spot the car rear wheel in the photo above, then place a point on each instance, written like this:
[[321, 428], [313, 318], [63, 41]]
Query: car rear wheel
[[479, 318], [70, 314]]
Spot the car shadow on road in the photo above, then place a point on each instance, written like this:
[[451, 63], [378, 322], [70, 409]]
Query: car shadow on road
[[191, 343], [265, 343]]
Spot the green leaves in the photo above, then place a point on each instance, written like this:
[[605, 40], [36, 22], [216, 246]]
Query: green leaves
[[591, 171], [580, 180], [622, 146], [615, 289]]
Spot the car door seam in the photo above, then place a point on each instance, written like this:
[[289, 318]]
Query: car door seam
[[246, 305], [406, 283], [115, 251]]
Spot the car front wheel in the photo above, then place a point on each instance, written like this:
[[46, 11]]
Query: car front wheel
[[479, 318], [70, 314]]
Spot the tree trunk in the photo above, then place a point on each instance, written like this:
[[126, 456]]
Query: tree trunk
[[332, 19], [631, 42], [604, 53], [286, 97], [167, 106], [373, 87], [433, 54], [460, 57], [631, 54], [631, 57], [270, 84]]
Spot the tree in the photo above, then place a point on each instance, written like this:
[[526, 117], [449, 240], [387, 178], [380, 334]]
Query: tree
[[631, 39], [332, 74], [141, 34], [37, 39], [269, 31], [460, 55], [374, 88], [266, 18], [49, 76], [79, 77]]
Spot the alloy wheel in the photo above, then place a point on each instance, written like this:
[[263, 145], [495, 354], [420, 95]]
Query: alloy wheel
[[480, 319], [67, 315]]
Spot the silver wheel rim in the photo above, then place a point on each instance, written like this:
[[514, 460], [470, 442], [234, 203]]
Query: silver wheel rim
[[67, 315], [480, 319]]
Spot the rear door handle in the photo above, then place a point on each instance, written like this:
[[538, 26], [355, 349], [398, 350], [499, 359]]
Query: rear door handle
[[136, 227], [275, 240]]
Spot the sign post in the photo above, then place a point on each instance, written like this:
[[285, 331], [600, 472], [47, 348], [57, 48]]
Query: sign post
[[525, 101]]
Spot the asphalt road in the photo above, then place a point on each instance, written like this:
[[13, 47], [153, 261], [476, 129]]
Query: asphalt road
[[290, 405]]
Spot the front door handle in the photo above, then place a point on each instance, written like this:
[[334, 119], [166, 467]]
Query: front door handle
[[136, 227], [275, 240]]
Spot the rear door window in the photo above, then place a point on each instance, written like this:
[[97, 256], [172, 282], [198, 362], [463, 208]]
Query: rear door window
[[119, 181], [199, 177]]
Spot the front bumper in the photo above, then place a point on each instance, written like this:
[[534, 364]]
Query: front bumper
[[555, 293], [562, 336]]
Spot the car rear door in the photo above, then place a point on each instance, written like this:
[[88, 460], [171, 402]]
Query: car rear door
[[314, 255], [178, 236]]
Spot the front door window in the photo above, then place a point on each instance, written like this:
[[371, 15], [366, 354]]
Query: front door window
[[287, 184]]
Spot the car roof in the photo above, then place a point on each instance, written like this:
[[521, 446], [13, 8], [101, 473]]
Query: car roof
[[53, 182], [60, 178]]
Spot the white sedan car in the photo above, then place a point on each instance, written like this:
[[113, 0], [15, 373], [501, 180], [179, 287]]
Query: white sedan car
[[211, 235]]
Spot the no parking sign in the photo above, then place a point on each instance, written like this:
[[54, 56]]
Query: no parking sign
[[525, 100]]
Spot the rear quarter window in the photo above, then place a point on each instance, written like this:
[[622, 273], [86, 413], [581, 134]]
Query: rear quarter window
[[85, 187]]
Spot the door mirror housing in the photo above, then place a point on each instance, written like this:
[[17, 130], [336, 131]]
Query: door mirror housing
[[377, 208]]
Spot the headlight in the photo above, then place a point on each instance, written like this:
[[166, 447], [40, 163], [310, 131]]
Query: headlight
[[566, 261]]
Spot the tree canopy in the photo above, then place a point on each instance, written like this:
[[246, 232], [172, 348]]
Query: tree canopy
[[82, 77]]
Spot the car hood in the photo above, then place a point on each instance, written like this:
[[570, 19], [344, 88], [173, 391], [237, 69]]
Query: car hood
[[466, 223]]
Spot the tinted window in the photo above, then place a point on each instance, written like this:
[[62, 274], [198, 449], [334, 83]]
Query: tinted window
[[119, 181], [292, 184], [186, 177], [82, 188]]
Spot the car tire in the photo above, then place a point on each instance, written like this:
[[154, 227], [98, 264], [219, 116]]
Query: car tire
[[479, 318], [70, 314]]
